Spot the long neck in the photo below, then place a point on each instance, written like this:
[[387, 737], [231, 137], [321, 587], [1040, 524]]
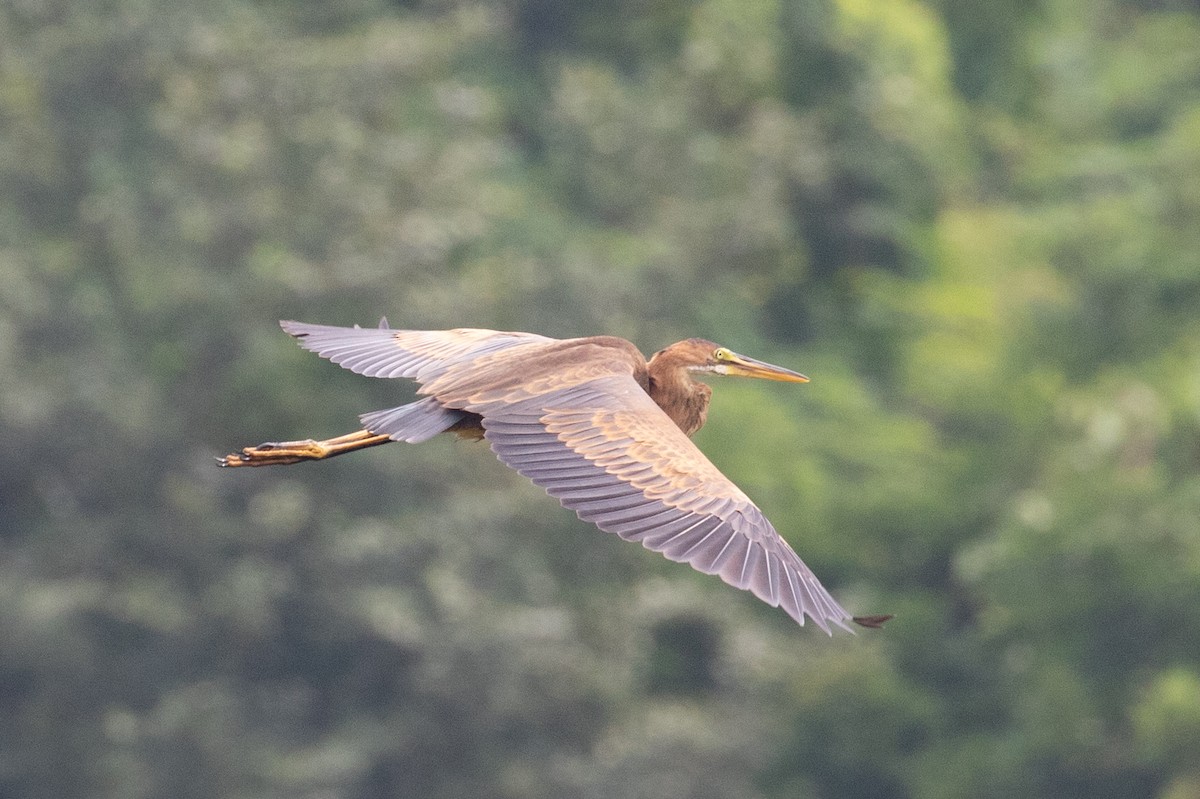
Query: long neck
[[683, 399]]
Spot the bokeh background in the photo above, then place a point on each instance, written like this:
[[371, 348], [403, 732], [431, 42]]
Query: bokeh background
[[974, 223]]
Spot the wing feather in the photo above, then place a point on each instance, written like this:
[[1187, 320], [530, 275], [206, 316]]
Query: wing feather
[[416, 422], [675, 546]]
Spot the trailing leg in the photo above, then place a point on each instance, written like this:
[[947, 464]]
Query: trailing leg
[[285, 452]]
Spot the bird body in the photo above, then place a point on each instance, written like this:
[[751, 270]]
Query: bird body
[[592, 422]]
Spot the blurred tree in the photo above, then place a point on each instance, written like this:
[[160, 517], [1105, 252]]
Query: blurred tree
[[973, 224]]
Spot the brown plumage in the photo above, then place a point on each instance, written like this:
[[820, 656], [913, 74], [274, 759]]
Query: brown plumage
[[593, 423]]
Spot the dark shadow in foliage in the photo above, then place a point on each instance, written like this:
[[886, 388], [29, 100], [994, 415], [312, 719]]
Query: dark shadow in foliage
[[684, 657], [648, 30]]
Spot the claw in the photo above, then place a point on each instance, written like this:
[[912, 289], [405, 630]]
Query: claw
[[236, 459]]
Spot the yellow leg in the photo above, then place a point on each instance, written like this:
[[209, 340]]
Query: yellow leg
[[285, 452]]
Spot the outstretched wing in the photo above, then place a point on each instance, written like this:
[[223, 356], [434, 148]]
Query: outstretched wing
[[608, 452], [422, 355]]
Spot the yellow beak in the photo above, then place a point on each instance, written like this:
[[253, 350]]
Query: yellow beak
[[741, 366]]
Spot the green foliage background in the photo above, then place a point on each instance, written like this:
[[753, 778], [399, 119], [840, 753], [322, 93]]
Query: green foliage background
[[975, 224]]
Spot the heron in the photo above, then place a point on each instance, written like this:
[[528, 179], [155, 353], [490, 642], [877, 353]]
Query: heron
[[594, 423]]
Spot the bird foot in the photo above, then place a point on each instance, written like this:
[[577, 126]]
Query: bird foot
[[873, 622], [273, 453]]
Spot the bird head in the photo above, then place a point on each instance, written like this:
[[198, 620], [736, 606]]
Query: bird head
[[698, 356]]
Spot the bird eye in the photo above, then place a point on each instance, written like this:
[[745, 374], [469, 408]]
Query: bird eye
[[721, 354]]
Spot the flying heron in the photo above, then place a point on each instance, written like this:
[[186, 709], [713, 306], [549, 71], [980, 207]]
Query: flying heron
[[592, 422]]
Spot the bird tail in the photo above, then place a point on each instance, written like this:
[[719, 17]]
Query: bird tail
[[416, 422]]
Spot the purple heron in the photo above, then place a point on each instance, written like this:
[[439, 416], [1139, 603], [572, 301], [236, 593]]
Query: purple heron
[[592, 422]]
